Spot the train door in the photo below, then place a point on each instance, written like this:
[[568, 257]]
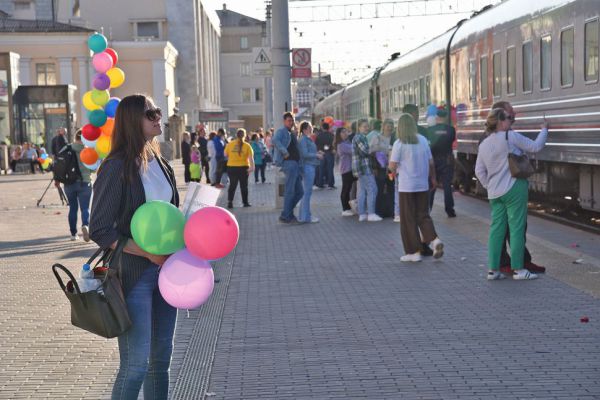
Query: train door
[[371, 103], [378, 103]]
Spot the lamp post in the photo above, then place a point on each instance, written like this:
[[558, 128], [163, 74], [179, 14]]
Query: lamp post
[[167, 93]]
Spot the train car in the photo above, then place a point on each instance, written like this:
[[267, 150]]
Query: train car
[[543, 57], [330, 106]]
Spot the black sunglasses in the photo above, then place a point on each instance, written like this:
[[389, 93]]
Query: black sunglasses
[[153, 114]]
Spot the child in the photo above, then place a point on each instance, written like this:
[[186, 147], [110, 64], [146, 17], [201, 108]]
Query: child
[[195, 169]]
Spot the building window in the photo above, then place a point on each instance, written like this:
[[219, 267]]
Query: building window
[[24, 9], [591, 51], [511, 71], [243, 42], [245, 69], [527, 67], [149, 30], [546, 63], [567, 56], [46, 74], [497, 73], [258, 95], [472, 80], [483, 77], [246, 95], [76, 12]]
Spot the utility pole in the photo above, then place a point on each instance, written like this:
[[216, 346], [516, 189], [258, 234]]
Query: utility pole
[[268, 81], [280, 53]]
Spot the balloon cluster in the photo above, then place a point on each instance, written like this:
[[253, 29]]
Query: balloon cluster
[[96, 135], [186, 279], [45, 160]]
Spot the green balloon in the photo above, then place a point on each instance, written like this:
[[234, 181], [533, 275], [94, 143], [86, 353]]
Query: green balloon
[[157, 227], [97, 118], [100, 97], [97, 42]]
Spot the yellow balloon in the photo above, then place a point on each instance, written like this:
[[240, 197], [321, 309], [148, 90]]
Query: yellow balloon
[[103, 145], [89, 103], [117, 77]]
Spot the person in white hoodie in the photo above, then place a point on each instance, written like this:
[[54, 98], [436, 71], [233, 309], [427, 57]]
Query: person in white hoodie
[[507, 195]]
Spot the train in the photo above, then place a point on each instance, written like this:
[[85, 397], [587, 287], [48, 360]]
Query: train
[[541, 56]]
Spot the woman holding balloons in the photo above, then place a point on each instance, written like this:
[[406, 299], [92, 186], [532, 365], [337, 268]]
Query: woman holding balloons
[[132, 174]]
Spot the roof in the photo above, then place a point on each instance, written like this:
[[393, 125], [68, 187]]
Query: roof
[[233, 19], [27, 26]]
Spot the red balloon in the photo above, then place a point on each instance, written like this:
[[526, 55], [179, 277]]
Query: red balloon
[[90, 132], [113, 54]]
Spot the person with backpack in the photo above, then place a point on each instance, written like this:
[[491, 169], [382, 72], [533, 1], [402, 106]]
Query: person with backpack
[[70, 171]]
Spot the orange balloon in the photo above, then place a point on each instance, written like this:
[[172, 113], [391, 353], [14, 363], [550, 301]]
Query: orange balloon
[[107, 128], [88, 156], [328, 121]]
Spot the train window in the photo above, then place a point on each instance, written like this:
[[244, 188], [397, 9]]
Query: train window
[[497, 74], [590, 65], [546, 63], [483, 77], [567, 48], [422, 92], [405, 93], [511, 71], [416, 89], [428, 89], [527, 67], [398, 98], [472, 80]]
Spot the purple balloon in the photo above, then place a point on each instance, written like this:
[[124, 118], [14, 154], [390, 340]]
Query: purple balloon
[[186, 281], [101, 81]]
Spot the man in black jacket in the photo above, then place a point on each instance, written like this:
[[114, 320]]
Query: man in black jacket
[[58, 141], [203, 146], [441, 137], [324, 144], [186, 152]]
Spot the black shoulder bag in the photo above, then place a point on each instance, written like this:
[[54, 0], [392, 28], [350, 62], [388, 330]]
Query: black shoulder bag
[[519, 165], [102, 311]]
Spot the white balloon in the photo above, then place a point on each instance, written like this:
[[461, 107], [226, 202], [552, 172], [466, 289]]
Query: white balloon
[[89, 143], [93, 166]]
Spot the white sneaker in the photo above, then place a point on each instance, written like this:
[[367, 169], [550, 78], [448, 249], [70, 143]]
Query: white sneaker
[[74, 238], [416, 257], [86, 233], [523, 274], [374, 218], [495, 275], [314, 220], [397, 218], [353, 206], [438, 248], [362, 218], [347, 213]]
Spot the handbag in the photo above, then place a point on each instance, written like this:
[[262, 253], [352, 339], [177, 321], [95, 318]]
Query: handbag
[[519, 165], [102, 311]]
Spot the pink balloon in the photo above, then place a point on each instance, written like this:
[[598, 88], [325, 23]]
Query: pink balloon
[[186, 281], [211, 233], [102, 62]]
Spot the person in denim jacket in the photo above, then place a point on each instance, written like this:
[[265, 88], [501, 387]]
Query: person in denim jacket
[[287, 156], [309, 159]]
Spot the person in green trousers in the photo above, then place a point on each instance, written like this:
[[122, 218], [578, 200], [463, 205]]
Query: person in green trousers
[[508, 196]]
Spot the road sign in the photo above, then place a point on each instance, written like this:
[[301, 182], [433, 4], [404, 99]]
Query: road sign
[[261, 61], [213, 115], [301, 63]]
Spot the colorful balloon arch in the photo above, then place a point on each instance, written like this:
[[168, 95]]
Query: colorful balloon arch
[[97, 135]]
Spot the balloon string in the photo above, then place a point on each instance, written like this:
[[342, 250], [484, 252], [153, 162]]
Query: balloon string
[[188, 313]]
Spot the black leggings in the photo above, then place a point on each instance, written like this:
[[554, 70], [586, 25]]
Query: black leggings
[[261, 169], [347, 180], [237, 174]]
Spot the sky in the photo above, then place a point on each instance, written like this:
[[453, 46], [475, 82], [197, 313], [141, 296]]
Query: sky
[[350, 48]]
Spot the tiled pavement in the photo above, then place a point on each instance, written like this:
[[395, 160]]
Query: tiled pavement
[[320, 311]]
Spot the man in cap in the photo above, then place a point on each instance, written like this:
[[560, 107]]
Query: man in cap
[[441, 137]]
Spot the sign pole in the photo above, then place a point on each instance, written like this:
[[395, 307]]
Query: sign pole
[[280, 50]]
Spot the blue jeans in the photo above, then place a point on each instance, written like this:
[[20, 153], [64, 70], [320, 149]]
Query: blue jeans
[[325, 175], [145, 349], [444, 171], [309, 177], [293, 188], [367, 193], [78, 193]]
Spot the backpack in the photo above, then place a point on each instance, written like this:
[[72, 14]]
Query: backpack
[[66, 166]]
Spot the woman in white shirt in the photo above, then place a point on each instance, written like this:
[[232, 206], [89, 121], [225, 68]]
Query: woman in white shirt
[[412, 162], [508, 195]]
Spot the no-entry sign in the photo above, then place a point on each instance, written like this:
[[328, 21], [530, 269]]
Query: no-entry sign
[[301, 63]]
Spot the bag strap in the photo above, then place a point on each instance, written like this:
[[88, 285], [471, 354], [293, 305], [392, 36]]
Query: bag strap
[[56, 267]]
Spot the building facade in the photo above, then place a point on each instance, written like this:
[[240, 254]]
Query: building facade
[[242, 93]]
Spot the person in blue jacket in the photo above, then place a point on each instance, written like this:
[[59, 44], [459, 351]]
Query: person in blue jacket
[[309, 159]]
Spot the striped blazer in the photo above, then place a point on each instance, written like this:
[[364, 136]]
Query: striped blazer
[[114, 202]]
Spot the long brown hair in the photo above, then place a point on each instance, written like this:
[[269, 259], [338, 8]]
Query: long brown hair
[[241, 135], [128, 140], [407, 129]]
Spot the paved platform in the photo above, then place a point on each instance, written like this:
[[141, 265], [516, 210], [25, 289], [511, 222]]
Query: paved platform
[[319, 311]]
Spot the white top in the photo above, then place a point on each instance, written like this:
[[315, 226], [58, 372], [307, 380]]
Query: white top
[[413, 165], [210, 147], [492, 159], [156, 185]]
